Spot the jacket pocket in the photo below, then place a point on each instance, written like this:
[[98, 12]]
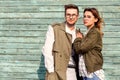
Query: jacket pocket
[[51, 76]]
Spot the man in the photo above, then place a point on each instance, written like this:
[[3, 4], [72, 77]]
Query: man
[[57, 49]]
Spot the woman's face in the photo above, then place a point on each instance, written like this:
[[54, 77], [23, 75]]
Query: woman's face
[[88, 19]]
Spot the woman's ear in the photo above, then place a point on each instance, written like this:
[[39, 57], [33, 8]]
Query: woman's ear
[[96, 19]]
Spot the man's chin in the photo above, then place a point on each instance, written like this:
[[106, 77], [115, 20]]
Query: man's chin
[[71, 24]]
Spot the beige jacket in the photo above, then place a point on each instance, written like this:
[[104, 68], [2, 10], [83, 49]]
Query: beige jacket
[[61, 52]]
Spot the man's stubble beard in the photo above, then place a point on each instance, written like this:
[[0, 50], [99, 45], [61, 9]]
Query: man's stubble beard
[[70, 25]]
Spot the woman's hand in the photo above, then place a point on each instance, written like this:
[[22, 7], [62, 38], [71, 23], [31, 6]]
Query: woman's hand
[[79, 35]]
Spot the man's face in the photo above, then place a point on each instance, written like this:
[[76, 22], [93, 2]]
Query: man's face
[[71, 16]]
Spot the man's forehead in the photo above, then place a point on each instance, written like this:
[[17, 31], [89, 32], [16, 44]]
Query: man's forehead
[[71, 10]]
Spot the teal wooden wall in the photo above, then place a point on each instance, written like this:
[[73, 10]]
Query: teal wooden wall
[[23, 25]]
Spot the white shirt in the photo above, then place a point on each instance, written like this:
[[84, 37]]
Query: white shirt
[[47, 48]]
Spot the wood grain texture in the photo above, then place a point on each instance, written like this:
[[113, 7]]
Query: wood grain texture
[[23, 26]]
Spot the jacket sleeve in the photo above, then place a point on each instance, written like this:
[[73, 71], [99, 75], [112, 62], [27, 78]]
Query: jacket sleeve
[[47, 50], [87, 43]]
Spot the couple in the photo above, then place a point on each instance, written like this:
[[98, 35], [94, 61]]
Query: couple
[[68, 53]]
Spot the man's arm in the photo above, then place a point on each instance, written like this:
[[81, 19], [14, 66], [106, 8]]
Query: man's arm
[[47, 50]]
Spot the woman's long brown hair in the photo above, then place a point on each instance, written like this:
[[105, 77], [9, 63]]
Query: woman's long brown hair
[[99, 24]]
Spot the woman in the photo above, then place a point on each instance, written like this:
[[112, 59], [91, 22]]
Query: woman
[[89, 47]]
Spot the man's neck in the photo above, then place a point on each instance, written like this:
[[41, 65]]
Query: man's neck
[[71, 27]]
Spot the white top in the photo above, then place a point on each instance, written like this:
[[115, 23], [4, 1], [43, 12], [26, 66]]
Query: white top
[[47, 48]]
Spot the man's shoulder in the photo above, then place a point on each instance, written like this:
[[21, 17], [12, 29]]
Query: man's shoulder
[[54, 25]]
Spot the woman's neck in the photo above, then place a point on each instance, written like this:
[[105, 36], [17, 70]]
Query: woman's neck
[[89, 27]]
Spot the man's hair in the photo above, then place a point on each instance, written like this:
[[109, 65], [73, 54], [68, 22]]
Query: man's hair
[[69, 6]]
